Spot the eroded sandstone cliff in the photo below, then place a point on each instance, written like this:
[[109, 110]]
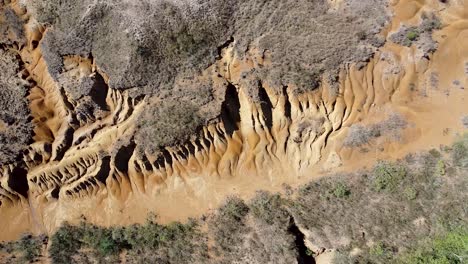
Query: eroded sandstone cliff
[[114, 109]]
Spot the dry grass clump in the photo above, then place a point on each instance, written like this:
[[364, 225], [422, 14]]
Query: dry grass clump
[[261, 231], [11, 28], [360, 135], [465, 121]]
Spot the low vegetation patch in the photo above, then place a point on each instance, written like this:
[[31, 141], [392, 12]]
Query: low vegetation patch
[[388, 176], [449, 247], [166, 124], [465, 121], [26, 250], [15, 121], [147, 243], [420, 35], [359, 135]]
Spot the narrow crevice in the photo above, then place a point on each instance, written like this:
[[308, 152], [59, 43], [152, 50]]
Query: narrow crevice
[[65, 145], [223, 46], [55, 192], [99, 92], [198, 144], [287, 113], [103, 170], [287, 103], [18, 181], [304, 256], [265, 105], [163, 158], [122, 157], [145, 162], [230, 108], [183, 152]]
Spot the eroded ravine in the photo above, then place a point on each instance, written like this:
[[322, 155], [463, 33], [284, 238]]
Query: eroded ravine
[[78, 168]]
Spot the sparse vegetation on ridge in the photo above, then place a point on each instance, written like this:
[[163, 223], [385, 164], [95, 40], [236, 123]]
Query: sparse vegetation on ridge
[[420, 35], [166, 124], [176, 38], [16, 129]]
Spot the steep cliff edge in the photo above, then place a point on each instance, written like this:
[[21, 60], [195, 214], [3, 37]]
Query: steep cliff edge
[[119, 125]]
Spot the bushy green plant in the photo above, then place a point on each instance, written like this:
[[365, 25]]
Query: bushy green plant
[[172, 243], [449, 248], [412, 35], [440, 167], [30, 247], [435, 153], [380, 253], [410, 193], [341, 190], [65, 243], [459, 152], [234, 208], [388, 176], [269, 208], [99, 239]]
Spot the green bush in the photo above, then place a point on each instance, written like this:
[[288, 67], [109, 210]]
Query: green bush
[[341, 190], [29, 248], [173, 243], [65, 243], [412, 35], [440, 168], [388, 176], [380, 253], [449, 248], [99, 239], [435, 153], [25, 250], [234, 208], [269, 208], [459, 152], [410, 193]]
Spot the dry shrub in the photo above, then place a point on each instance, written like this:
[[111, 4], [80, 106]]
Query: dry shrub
[[360, 135]]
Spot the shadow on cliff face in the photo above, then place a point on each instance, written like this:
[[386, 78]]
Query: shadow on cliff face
[[304, 256], [230, 108], [18, 181]]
